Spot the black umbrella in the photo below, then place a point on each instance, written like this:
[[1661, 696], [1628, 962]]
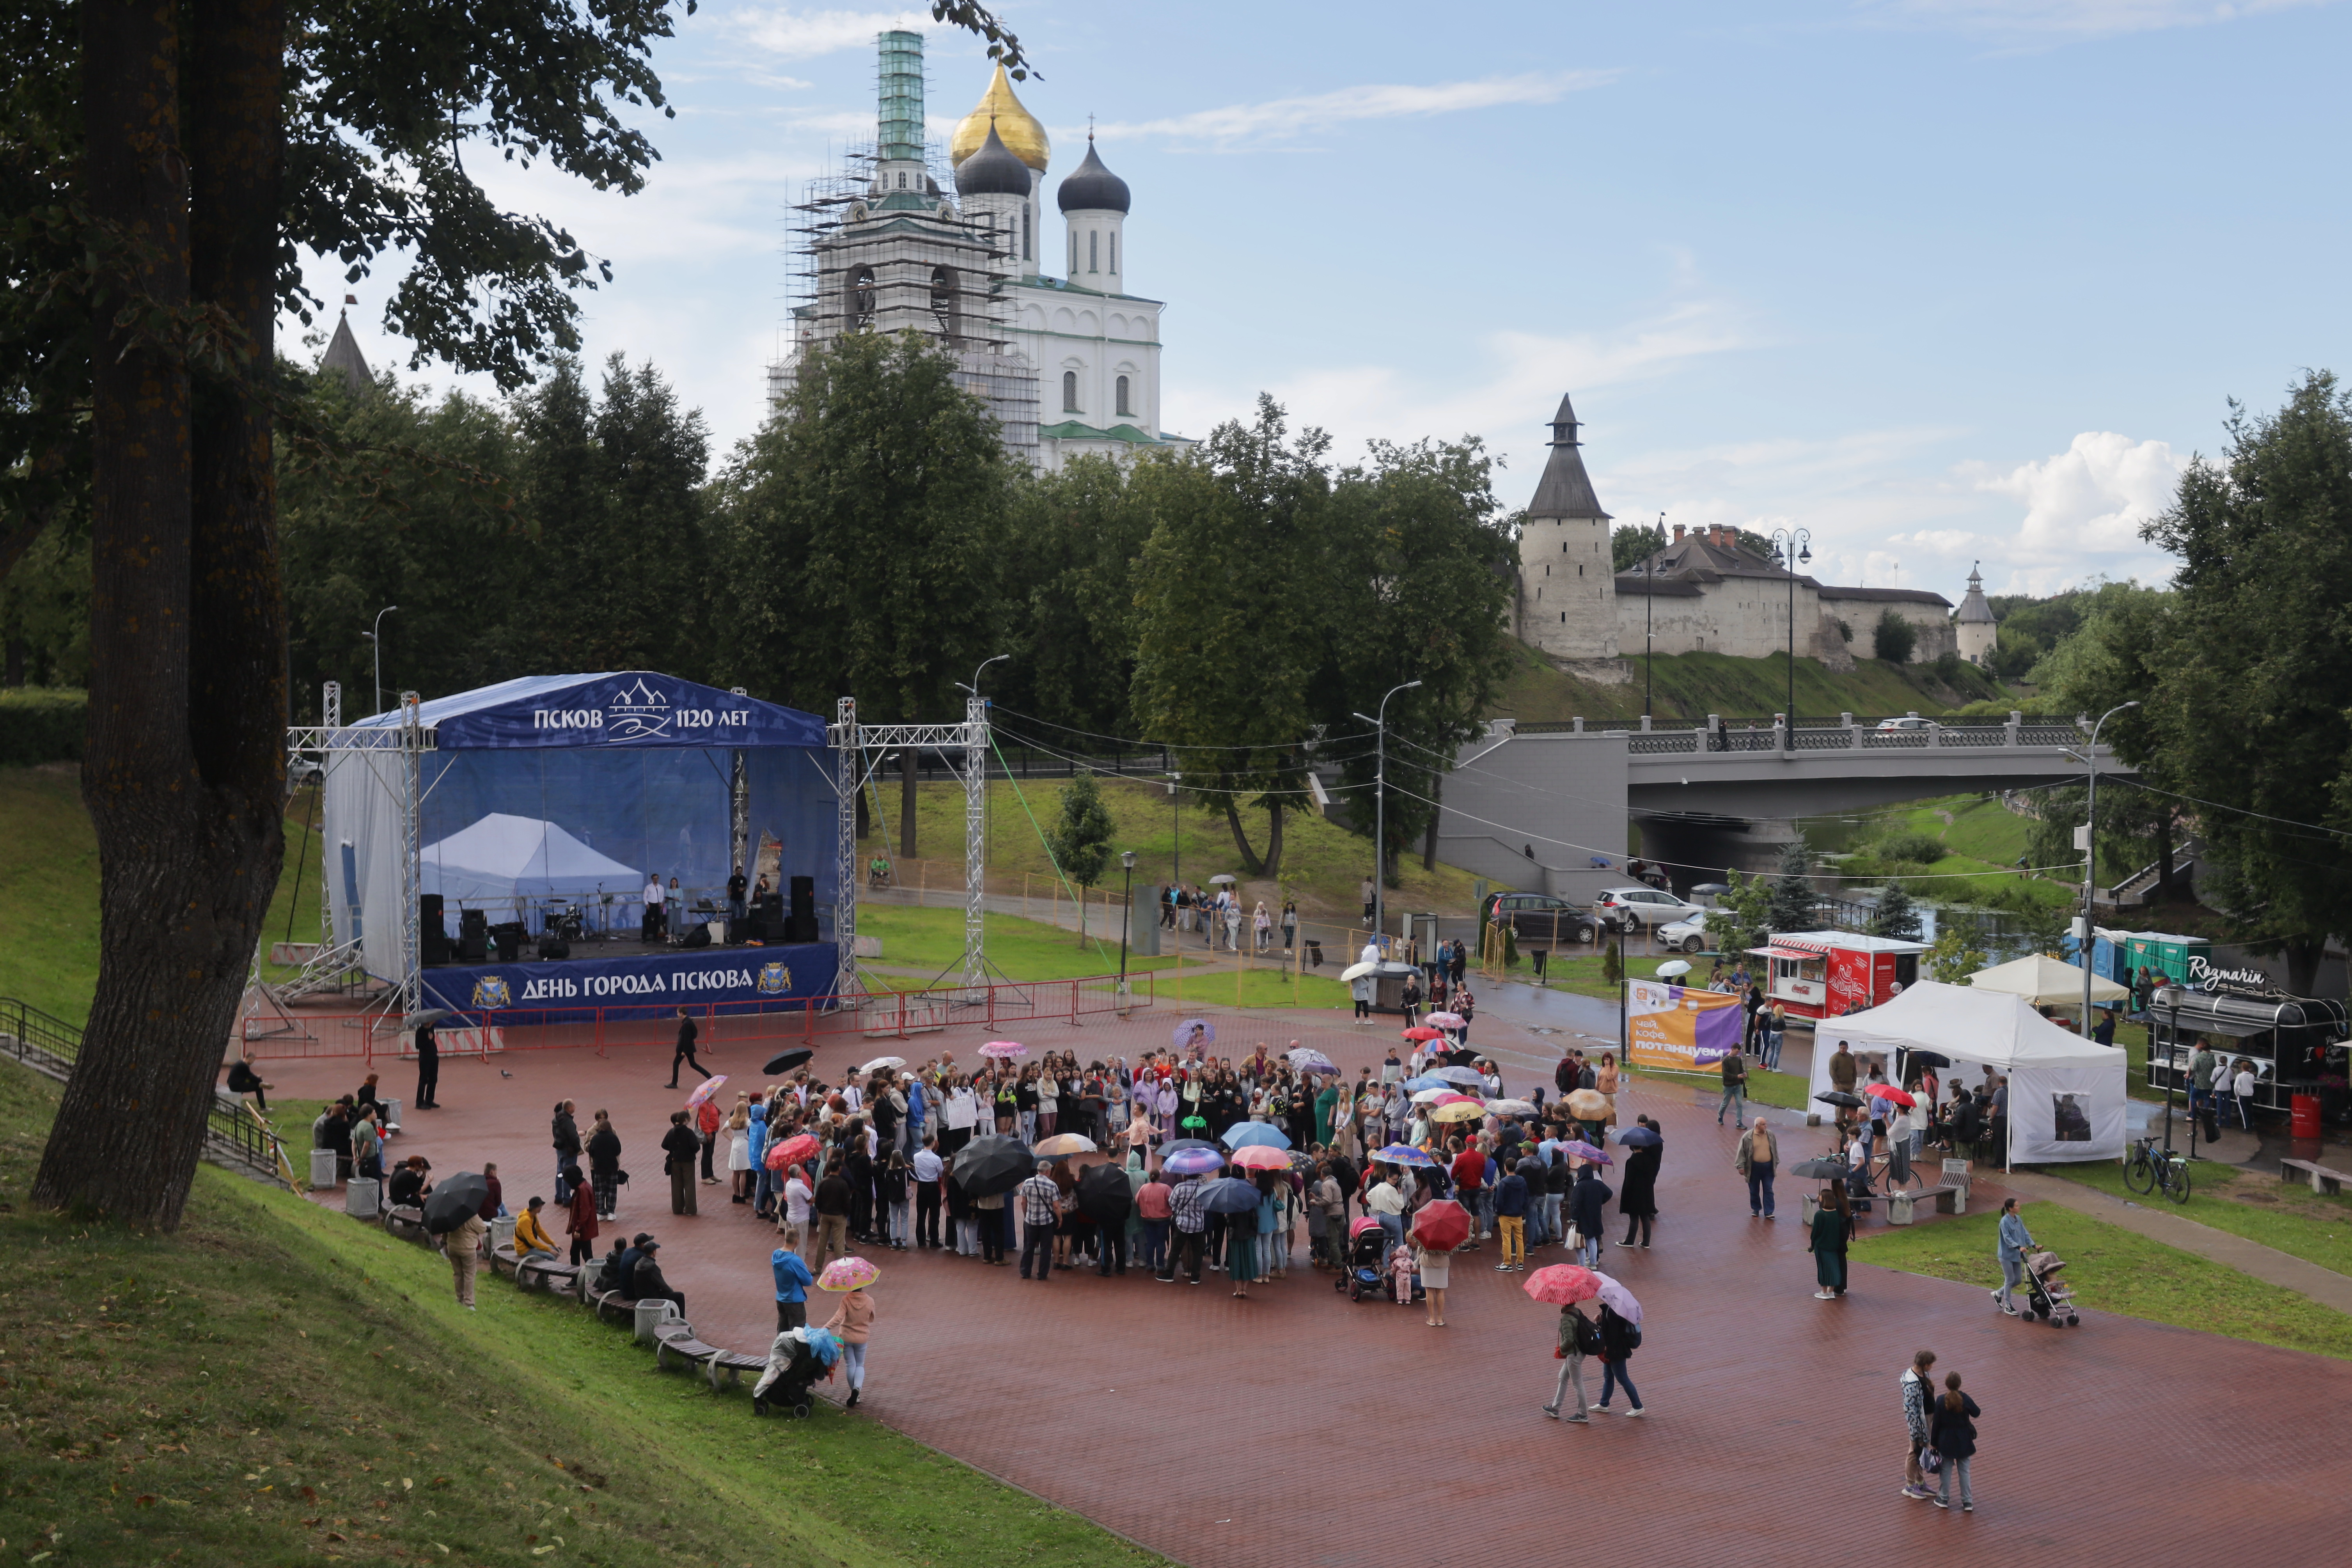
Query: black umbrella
[[785, 1061], [986, 1166], [1228, 1194], [1819, 1170], [1638, 1137], [1838, 1096], [1105, 1194], [458, 1196], [1926, 1058]]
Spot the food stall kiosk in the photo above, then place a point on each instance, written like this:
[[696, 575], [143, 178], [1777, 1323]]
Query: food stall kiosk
[[2296, 1044], [1829, 974]]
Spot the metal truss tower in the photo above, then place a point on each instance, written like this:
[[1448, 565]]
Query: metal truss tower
[[968, 740]]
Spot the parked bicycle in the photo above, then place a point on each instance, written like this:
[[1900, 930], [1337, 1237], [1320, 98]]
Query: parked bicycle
[[2150, 1168]]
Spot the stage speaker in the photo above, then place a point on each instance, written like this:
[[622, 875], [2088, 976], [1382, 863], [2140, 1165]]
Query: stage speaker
[[697, 935], [803, 896], [801, 928], [508, 939], [474, 945], [554, 947], [433, 937]]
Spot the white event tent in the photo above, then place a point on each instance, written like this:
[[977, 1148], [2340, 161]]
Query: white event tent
[[503, 859], [2065, 1093], [2046, 983]]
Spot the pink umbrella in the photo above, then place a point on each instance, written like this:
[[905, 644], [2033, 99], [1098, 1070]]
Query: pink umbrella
[[703, 1092], [1618, 1300], [790, 1152], [1262, 1157], [852, 1273], [1004, 1049], [1445, 1020], [1563, 1283]]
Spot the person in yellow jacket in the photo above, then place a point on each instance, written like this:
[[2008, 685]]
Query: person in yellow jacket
[[530, 1237]]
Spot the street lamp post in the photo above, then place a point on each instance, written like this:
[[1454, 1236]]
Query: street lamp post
[[1380, 812], [1126, 863], [2090, 870], [376, 638], [1793, 548], [1649, 594]]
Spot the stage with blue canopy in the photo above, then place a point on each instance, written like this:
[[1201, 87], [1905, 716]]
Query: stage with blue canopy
[[547, 802]]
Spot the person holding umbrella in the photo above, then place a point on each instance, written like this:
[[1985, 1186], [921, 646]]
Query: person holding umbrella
[[1637, 1200], [853, 1322], [1578, 1339], [1587, 1212], [1620, 1337]]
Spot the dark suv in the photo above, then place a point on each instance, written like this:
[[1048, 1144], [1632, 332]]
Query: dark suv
[[1538, 919]]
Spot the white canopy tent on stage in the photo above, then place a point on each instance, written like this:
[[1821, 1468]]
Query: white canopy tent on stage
[[2065, 1093]]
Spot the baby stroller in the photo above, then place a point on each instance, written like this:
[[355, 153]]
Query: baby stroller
[[1367, 1273], [797, 1359], [2047, 1297]]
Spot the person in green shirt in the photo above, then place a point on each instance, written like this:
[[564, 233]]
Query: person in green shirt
[[1327, 1105]]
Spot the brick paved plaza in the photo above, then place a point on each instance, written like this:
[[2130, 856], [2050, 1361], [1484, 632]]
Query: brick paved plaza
[[1296, 1427]]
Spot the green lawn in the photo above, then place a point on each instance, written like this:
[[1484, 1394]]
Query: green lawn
[[278, 1385], [2293, 1219], [2116, 1271]]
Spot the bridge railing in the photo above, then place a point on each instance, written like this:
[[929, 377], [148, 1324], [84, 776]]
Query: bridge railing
[[1844, 733]]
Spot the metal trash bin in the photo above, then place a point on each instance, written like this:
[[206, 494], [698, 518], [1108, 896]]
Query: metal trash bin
[[651, 1315], [361, 1197], [323, 1168], [501, 1234], [388, 1115], [1899, 1206], [1809, 1204], [1956, 1171]]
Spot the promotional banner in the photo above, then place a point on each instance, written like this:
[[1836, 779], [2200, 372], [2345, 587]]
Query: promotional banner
[[1680, 1028], [722, 980]]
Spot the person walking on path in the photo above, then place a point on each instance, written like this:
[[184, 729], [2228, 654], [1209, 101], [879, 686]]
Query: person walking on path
[[1637, 1199], [680, 1146], [851, 1322], [1436, 1271], [1735, 1089], [2014, 1239], [464, 1244], [793, 1282], [1620, 1337], [1587, 1214], [1578, 1339], [1918, 1395], [1953, 1431], [1831, 1222], [687, 1035], [1758, 1156]]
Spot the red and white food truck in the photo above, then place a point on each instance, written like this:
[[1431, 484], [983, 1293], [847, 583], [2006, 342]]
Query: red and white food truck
[[1829, 974]]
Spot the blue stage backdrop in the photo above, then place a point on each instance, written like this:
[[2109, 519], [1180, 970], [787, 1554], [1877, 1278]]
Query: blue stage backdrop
[[565, 792], [724, 981]]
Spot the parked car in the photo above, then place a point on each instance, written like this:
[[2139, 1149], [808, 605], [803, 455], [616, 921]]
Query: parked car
[[1688, 934], [1542, 919], [1627, 909], [1909, 721]]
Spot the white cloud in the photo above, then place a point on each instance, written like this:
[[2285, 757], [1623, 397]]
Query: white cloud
[[2056, 21], [2093, 497], [784, 32], [1284, 117]]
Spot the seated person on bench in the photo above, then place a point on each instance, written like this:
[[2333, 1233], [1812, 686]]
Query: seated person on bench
[[530, 1237], [409, 1188], [649, 1284]]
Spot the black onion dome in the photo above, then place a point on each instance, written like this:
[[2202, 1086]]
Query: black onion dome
[[1092, 188], [994, 170]]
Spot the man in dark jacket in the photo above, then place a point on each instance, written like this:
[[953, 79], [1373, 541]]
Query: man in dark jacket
[[1735, 1090], [687, 1035], [565, 1131], [428, 1068], [831, 1218], [243, 1080], [620, 1266], [649, 1286], [1563, 1077], [681, 1145], [1586, 1202]]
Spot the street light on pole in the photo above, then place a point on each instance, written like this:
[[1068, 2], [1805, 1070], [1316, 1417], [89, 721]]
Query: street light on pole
[[1793, 548], [2090, 859], [376, 638], [1380, 811], [1126, 863], [1649, 592]]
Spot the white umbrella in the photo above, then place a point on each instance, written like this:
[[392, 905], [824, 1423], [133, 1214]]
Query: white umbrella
[[1445, 1020], [880, 1062], [1358, 971], [1222, 878], [1511, 1107]]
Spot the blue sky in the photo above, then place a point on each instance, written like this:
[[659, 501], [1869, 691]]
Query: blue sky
[[1937, 279]]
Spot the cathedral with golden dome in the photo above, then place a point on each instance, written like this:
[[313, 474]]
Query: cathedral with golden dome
[[1070, 365]]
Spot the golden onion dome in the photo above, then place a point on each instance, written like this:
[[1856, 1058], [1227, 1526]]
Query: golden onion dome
[[1017, 127]]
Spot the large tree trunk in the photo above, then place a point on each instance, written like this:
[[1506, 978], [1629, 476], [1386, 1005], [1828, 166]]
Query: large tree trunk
[[1241, 839], [907, 802], [2302, 955], [1273, 836], [2162, 892]]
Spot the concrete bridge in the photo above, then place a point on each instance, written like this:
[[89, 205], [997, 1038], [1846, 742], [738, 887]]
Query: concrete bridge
[[1533, 804]]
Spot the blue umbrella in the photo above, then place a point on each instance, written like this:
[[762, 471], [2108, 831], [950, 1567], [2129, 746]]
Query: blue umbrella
[[1426, 1080], [1178, 1145], [1241, 1134], [1586, 1151], [1308, 1059], [1403, 1154], [1459, 1074], [1230, 1195], [1638, 1137], [1194, 1162]]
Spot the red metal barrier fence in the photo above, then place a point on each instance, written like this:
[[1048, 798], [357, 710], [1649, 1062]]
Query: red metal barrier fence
[[888, 1015]]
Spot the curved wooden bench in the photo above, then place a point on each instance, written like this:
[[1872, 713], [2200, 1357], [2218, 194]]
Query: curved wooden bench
[[550, 1274]]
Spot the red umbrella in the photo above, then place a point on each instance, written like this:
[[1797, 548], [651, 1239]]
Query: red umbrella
[[791, 1152], [1887, 1091], [1563, 1283], [1442, 1226], [1424, 1032], [1261, 1157]]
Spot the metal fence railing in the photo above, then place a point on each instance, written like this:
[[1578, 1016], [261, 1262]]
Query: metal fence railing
[[50, 1045]]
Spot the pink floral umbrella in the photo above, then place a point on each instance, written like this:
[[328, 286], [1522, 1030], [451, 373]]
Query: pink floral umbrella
[[1004, 1050], [703, 1092], [1563, 1283], [852, 1273]]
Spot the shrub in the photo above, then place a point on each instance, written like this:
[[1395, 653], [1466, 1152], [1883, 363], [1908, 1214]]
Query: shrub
[[41, 724], [1920, 848], [1894, 638]]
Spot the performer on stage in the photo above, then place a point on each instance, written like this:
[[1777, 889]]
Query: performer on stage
[[735, 886], [650, 925]]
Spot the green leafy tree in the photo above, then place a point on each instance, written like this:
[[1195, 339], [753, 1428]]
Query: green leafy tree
[[1896, 916], [863, 528], [1613, 964], [1792, 888], [1229, 622], [1074, 540], [1954, 955], [1080, 839], [1631, 545], [1742, 918], [1893, 639]]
